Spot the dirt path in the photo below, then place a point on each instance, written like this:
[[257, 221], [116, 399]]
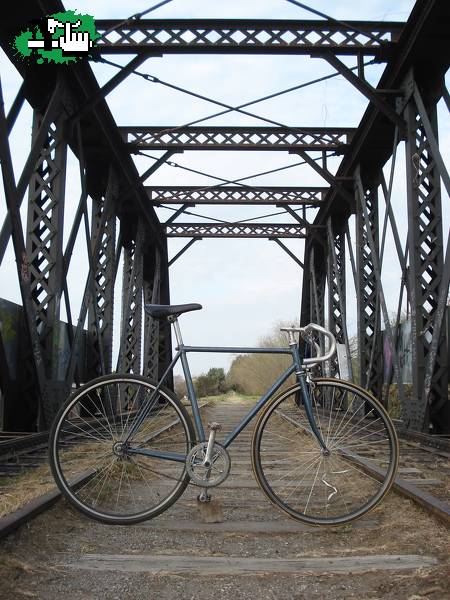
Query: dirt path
[[397, 551]]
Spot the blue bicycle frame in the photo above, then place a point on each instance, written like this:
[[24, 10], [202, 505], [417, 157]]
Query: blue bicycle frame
[[181, 353]]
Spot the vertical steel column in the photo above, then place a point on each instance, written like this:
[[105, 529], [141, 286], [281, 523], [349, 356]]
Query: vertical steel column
[[368, 306], [305, 305], [165, 334], [44, 255], [131, 327], [317, 271], [101, 310], [152, 281], [337, 318], [317, 274], [425, 241]]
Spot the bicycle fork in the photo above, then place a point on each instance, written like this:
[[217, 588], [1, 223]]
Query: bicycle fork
[[301, 378]]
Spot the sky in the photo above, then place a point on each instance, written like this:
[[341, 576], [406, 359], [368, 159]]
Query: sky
[[245, 286]]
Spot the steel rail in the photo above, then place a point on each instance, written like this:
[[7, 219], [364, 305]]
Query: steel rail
[[32, 509], [424, 499]]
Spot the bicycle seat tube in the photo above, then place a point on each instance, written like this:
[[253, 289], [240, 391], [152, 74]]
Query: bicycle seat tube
[[301, 378]]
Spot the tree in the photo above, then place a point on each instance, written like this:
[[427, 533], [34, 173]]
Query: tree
[[211, 383], [179, 386], [253, 374]]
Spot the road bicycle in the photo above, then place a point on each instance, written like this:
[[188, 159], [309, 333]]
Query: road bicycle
[[123, 448]]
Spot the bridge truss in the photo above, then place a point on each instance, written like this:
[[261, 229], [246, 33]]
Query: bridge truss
[[119, 224]]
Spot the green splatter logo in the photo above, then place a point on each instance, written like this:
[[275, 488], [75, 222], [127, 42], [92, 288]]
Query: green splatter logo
[[59, 38]]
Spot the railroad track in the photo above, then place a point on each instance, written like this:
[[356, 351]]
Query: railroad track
[[21, 453], [170, 555], [423, 475]]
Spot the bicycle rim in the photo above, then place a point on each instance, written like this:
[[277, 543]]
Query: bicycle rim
[[94, 471], [311, 486]]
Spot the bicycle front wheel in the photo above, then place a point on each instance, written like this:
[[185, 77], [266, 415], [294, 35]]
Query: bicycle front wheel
[[329, 487], [103, 470]]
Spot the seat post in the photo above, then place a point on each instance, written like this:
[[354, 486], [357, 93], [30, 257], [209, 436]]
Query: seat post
[[173, 319]]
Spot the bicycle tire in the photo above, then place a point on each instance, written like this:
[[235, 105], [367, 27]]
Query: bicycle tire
[[91, 468], [299, 478]]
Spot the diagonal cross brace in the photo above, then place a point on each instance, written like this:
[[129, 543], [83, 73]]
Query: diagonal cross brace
[[369, 92], [13, 204], [326, 175], [286, 249], [183, 250], [109, 86], [29, 166]]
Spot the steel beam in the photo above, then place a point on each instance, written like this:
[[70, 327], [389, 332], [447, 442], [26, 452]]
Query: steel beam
[[236, 138], [36, 364], [288, 252], [236, 195], [423, 45], [337, 317], [318, 276], [236, 230], [16, 106], [165, 333], [106, 89], [368, 307], [131, 324], [45, 227], [189, 36], [183, 250], [39, 138], [425, 240], [375, 258], [101, 310], [317, 270], [335, 182], [152, 294], [373, 95]]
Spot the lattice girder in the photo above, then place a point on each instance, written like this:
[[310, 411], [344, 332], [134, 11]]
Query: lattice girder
[[368, 306], [101, 310], [165, 333], [317, 270], [247, 230], [236, 138], [236, 195], [131, 334], [336, 291], [152, 291], [425, 239], [246, 37], [45, 227]]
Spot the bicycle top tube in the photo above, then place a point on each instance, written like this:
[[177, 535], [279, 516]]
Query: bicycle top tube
[[171, 313], [235, 349]]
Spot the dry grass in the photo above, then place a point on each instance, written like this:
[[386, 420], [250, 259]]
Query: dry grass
[[230, 398], [21, 489], [17, 491]]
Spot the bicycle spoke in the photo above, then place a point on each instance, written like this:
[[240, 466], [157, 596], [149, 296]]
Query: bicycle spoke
[[91, 437], [324, 486]]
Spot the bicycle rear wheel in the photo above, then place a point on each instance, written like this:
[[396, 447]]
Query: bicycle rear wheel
[[317, 487], [107, 477]]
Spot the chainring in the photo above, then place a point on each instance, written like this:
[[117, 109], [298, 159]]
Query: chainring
[[208, 476]]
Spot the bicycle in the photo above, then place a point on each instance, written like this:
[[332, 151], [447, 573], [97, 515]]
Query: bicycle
[[123, 448]]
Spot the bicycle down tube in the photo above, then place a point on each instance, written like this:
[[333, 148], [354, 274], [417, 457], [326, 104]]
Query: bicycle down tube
[[145, 446], [182, 351]]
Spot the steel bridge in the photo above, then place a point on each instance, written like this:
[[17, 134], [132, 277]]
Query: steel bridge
[[71, 113]]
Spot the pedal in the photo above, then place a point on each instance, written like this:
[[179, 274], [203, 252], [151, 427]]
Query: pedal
[[214, 426]]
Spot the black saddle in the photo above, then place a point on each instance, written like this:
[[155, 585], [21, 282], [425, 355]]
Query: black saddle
[[160, 311]]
